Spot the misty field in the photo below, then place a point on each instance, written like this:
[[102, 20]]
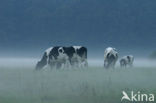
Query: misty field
[[91, 85]]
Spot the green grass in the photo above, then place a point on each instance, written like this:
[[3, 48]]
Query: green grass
[[92, 85]]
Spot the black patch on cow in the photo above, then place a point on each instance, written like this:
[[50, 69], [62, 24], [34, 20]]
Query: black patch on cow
[[129, 59], [60, 50], [54, 52], [110, 57], [69, 51], [82, 52]]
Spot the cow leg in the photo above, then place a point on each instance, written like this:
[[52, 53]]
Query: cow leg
[[131, 63], [106, 65], [72, 63], [86, 63], [58, 65], [113, 65], [68, 64], [75, 64], [52, 65], [80, 62], [122, 65], [64, 65]]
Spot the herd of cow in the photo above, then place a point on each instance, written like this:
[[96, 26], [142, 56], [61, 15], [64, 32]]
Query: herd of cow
[[76, 57]]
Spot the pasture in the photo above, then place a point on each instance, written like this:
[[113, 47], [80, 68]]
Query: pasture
[[89, 85]]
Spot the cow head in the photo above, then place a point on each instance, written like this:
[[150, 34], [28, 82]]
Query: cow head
[[39, 65], [61, 50]]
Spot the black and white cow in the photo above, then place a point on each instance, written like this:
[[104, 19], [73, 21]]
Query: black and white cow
[[79, 58], [57, 57], [126, 61], [110, 57]]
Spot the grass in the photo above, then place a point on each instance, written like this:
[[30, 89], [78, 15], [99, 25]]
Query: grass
[[92, 85]]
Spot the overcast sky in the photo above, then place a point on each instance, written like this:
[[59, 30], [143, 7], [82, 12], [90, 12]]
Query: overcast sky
[[31, 26]]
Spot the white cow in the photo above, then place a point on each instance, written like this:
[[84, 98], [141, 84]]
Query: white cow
[[110, 57], [127, 61]]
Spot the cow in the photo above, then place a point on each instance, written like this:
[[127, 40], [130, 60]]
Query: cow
[[63, 57], [56, 57], [110, 57], [126, 61], [79, 58]]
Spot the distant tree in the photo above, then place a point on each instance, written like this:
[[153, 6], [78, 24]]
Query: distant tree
[[153, 55]]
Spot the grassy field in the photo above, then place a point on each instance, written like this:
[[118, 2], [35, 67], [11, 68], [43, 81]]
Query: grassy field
[[92, 85]]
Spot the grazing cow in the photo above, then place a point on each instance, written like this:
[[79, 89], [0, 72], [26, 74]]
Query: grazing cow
[[79, 58], [56, 57], [126, 61], [110, 57]]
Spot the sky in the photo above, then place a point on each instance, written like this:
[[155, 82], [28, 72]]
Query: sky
[[28, 27]]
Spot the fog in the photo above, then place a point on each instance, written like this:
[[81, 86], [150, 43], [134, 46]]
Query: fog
[[29, 63]]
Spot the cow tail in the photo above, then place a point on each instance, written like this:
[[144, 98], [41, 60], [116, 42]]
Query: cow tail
[[85, 54]]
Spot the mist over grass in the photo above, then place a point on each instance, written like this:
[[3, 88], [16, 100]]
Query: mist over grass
[[92, 85], [20, 83], [93, 62]]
